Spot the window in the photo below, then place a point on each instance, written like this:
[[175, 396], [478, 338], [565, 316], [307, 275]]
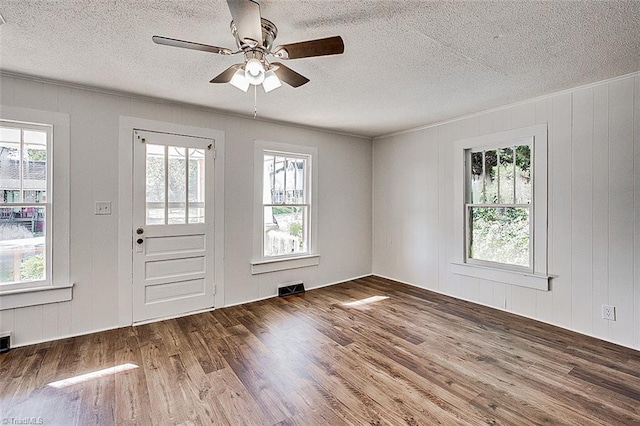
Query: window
[[175, 174], [285, 207], [500, 193], [34, 207], [285, 204], [499, 205], [25, 203]]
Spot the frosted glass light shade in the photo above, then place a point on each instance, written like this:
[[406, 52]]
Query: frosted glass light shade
[[254, 72], [238, 80], [271, 81]]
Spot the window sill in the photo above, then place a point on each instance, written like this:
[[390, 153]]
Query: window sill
[[282, 264], [522, 279], [11, 299]]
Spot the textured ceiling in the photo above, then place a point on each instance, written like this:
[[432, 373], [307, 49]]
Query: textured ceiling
[[406, 63]]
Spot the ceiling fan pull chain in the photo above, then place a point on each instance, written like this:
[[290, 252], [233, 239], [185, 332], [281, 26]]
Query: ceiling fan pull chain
[[255, 102]]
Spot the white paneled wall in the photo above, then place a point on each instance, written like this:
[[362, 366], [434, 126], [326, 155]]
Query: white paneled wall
[[594, 202], [594, 209], [345, 173]]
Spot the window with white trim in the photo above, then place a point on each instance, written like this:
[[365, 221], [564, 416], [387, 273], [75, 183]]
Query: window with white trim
[[500, 196], [285, 204], [34, 207], [499, 205], [25, 203], [285, 209]]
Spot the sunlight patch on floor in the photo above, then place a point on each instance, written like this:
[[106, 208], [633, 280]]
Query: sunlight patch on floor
[[367, 301], [93, 375]]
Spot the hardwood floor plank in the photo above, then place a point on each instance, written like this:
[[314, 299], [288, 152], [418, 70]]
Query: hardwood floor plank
[[625, 388], [387, 389], [131, 399], [161, 381], [367, 351], [237, 403], [310, 408], [344, 399], [593, 402], [97, 396]]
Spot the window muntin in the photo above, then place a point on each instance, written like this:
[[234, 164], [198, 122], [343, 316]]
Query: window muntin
[[175, 185], [285, 204], [499, 206], [25, 203]]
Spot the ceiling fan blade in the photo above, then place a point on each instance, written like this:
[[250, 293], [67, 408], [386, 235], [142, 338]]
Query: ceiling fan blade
[[289, 76], [225, 76], [308, 49], [246, 17], [191, 45]]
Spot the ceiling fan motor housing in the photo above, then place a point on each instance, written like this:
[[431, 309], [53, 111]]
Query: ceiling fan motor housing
[[269, 34]]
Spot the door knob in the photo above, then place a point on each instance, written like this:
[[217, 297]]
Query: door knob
[[139, 241], [139, 231]]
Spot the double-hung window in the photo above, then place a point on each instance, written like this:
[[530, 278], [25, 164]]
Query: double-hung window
[[500, 193], [285, 207], [25, 203], [34, 207], [286, 204], [498, 205]]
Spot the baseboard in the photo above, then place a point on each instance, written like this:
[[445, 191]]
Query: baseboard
[[310, 288], [66, 336], [339, 282]]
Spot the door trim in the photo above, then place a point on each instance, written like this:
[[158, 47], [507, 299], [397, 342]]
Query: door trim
[[124, 209]]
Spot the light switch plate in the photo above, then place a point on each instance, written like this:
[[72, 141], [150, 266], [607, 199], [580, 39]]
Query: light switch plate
[[103, 207]]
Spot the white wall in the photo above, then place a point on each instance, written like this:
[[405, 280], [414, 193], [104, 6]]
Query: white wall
[[594, 209], [594, 171], [344, 186]]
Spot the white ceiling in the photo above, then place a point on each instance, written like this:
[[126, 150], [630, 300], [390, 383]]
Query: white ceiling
[[406, 63]]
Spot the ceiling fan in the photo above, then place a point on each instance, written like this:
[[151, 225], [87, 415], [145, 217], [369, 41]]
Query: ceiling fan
[[254, 37]]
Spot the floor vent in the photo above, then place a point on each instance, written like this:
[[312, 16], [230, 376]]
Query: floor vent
[[5, 342], [290, 289]]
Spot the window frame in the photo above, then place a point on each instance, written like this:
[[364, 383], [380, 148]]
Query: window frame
[[264, 264], [23, 204], [306, 205], [536, 276], [469, 204], [56, 287]]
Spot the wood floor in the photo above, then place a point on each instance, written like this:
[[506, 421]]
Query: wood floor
[[414, 358]]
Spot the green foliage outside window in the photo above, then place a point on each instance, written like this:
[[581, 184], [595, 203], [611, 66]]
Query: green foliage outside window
[[500, 235], [32, 268], [501, 189]]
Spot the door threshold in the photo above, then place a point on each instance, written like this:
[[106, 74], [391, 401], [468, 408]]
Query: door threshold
[[185, 314]]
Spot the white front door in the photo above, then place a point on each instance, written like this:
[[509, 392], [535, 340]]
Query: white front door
[[173, 241]]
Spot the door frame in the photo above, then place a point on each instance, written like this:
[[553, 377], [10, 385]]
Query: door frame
[[125, 207]]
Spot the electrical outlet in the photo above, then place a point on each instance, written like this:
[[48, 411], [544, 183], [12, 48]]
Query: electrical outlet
[[609, 312]]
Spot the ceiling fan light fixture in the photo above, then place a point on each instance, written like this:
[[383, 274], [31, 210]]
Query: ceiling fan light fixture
[[239, 80], [254, 71], [271, 81]]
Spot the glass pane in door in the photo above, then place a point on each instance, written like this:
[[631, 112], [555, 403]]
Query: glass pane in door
[[155, 185], [177, 179], [196, 185]]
